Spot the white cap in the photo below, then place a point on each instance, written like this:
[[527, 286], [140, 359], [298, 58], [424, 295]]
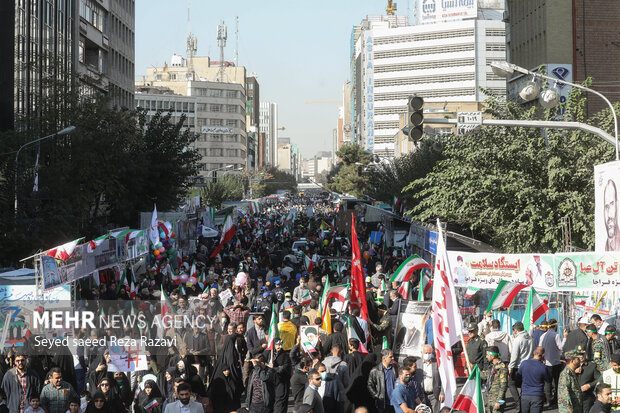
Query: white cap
[[584, 320]]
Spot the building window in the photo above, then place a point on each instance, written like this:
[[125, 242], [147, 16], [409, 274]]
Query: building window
[[231, 93], [81, 51], [231, 109], [216, 93], [231, 152], [215, 122], [231, 122], [216, 108], [201, 107], [173, 76]]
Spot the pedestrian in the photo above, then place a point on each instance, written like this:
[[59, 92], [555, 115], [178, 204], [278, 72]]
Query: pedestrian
[[533, 374], [521, 350], [19, 384], [614, 344], [331, 390], [299, 380], [381, 381], [552, 343], [428, 371], [599, 323], [355, 357], [578, 337], [35, 405], [184, 404], [496, 337], [260, 390], [496, 376], [603, 399], [402, 400], [570, 397], [612, 377], [311, 394], [588, 376], [476, 347], [282, 367], [288, 331], [56, 394]]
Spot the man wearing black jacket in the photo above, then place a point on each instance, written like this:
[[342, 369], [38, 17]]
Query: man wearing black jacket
[[577, 337], [355, 357], [603, 399], [256, 336], [337, 337], [588, 379], [299, 381]]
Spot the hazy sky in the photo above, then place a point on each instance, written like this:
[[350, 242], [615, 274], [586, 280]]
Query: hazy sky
[[299, 50]]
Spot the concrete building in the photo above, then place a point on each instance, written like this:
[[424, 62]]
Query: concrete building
[[216, 111], [442, 61], [256, 149], [571, 40], [86, 37], [285, 155], [268, 125]]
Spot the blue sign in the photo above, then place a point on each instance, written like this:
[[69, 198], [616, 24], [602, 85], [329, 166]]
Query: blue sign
[[431, 245]]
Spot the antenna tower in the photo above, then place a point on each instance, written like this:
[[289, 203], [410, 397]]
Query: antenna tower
[[221, 42], [192, 45], [237, 41]]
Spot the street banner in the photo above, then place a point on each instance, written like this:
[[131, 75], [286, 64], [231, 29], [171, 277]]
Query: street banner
[[606, 226], [409, 337], [486, 270], [585, 271]]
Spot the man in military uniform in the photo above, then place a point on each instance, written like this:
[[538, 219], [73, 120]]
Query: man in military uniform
[[476, 347], [599, 349], [497, 380], [588, 377], [570, 397]]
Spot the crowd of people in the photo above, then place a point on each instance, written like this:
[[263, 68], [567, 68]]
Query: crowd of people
[[236, 362]]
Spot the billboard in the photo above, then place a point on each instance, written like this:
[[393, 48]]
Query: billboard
[[606, 228], [433, 11]]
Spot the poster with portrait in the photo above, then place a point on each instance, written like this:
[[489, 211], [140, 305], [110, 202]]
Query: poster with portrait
[[309, 338], [409, 333], [606, 226]]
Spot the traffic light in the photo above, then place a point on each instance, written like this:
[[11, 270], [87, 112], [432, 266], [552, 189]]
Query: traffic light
[[415, 118]]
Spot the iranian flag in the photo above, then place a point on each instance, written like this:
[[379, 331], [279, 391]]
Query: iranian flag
[[470, 398], [306, 298], [536, 308], [133, 291], [166, 305], [404, 289], [153, 231], [193, 272], [425, 285], [228, 231], [63, 251], [154, 403], [309, 263], [92, 245], [123, 281], [406, 269], [202, 280], [471, 291], [273, 329], [133, 234], [396, 204], [505, 294]]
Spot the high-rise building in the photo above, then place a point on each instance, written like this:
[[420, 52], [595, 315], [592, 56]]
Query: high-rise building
[[268, 125], [59, 38], [570, 40], [445, 62], [256, 149], [214, 110], [285, 155]]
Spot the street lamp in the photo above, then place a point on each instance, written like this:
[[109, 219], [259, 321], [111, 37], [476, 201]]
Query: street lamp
[[64, 131], [549, 97]]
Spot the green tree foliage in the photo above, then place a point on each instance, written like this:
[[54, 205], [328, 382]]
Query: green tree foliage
[[349, 176], [278, 180], [512, 186], [114, 165], [388, 178], [226, 188]]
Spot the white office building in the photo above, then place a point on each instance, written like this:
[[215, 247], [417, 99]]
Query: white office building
[[268, 123], [442, 61]]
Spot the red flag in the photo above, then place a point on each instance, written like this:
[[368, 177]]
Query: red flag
[[228, 231], [358, 283]]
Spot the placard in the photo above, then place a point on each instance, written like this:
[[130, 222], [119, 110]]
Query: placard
[[409, 333]]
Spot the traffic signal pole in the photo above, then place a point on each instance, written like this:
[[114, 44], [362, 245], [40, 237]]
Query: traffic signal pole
[[534, 124]]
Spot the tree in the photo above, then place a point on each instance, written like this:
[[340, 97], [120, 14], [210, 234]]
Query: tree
[[279, 180], [226, 188], [511, 187], [348, 177], [388, 178]]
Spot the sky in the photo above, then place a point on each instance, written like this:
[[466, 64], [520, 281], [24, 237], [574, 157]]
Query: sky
[[298, 50]]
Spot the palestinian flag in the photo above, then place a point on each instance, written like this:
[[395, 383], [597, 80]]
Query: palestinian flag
[[505, 294], [309, 263], [352, 333], [273, 329], [92, 245], [470, 398], [536, 308], [406, 269], [63, 251], [228, 231]]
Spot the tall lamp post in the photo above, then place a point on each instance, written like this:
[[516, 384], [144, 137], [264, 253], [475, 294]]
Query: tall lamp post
[[64, 131], [548, 97]]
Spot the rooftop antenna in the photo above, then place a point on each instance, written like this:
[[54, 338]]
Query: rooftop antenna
[[391, 8], [192, 45], [236, 41], [221, 42]]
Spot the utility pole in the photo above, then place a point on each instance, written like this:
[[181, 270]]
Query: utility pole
[[221, 42], [192, 45], [236, 40]]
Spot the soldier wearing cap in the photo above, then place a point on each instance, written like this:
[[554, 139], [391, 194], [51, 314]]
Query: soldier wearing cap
[[476, 347], [497, 380], [610, 335], [588, 377], [599, 349], [570, 396], [612, 377]]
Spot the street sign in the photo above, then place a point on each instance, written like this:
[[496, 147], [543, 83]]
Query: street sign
[[468, 121]]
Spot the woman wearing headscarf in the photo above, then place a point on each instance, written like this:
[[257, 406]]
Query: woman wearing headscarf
[[110, 390], [166, 384], [226, 384], [357, 394], [98, 404], [150, 399]]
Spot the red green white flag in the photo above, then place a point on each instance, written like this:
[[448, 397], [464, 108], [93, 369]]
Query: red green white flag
[[536, 308], [504, 294], [273, 329], [63, 251], [406, 269], [166, 305], [470, 398], [228, 232], [309, 263], [92, 245]]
